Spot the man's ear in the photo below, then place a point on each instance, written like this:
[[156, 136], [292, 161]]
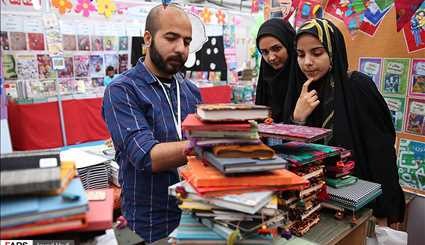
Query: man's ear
[[147, 37]]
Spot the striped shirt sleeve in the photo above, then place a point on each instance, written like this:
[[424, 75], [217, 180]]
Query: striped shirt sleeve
[[128, 126]]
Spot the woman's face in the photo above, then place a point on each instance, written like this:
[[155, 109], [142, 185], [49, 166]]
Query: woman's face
[[312, 57], [273, 52]]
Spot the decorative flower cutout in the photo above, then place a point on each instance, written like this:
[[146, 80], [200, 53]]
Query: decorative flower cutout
[[62, 5], [106, 7], [221, 17], [85, 6], [205, 15]]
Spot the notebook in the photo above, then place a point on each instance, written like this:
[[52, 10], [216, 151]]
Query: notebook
[[193, 123], [232, 112], [293, 132]]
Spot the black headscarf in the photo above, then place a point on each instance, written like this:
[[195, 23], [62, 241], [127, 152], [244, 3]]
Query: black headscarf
[[272, 84], [352, 106]]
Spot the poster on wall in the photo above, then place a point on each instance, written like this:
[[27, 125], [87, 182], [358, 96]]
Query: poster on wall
[[371, 67], [112, 60], [307, 9], [83, 42], [110, 43], [9, 67], [123, 44], [417, 78], [96, 43], [81, 66], [26, 67], [18, 41], [396, 106], [123, 63], [45, 67], [96, 68], [68, 71], [411, 165], [414, 32], [395, 76], [36, 41], [69, 42], [4, 41], [415, 117], [373, 15]]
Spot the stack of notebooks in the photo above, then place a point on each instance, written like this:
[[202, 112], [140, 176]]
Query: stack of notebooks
[[114, 170], [339, 171], [355, 196], [92, 168], [44, 213]]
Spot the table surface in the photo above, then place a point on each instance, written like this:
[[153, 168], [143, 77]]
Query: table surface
[[329, 230]]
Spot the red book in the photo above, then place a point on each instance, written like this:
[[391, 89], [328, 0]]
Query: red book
[[99, 216], [192, 122], [293, 132]]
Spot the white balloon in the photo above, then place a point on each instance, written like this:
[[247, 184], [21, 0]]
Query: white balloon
[[191, 59]]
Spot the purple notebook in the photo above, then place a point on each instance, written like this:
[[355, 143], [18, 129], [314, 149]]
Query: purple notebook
[[293, 132]]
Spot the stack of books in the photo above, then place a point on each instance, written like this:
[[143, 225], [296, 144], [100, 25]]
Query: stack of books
[[339, 171], [44, 213]]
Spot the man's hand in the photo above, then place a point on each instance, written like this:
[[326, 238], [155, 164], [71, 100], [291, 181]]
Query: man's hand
[[306, 103]]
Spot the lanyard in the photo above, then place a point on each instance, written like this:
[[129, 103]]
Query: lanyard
[[178, 122]]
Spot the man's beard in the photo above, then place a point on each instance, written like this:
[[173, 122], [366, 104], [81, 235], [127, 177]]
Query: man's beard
[[162, 64]]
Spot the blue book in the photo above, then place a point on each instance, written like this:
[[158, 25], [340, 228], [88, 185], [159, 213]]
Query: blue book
[[27, 209]]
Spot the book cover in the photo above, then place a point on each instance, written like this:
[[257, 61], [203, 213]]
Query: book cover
[[354, 194], [396, 106], [203, 175], [243, 164], [69, 42], [417, 78], [26, 67], [36, 41], [99, 216], [415, 117], [96, 67], [411, 165], [192, 122], [300, 153], [123, 63], [28, 209], [372, 67], [232, 112], [293, 132], [4, 41], [260, 151], [45, 67], [96, 43], [67, 86], [395, 76], [81, 66], [123, 43], [110, 43], [9, 66], [83, 42], [112, 60], [18, 41], [29, 159], [68, 72]]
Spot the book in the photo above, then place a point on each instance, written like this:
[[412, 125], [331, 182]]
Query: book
[[29, 159], [99, 216], [293, 132], [27, 181], [45, 226], [27, 209], [235, 165], [210, 142], [192, 123], [232, 112], [300, 153], [259, 151], [203, 175], [246, 202], [355, 196], [249, 135], [341, 182]]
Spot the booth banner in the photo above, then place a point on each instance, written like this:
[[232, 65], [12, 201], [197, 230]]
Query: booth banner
[[395, 76], [371, 67], [396, 107], [417, 78], [415, 117], [411, 164], [22, 5], [414, 33]]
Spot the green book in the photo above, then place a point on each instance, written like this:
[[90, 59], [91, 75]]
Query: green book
[[341, 182]]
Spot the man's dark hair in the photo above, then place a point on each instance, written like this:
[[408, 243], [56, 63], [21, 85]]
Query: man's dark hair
[[152, 21], [109, 68]]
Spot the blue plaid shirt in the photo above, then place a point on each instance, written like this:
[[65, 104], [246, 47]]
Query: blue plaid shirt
[[138, 116]]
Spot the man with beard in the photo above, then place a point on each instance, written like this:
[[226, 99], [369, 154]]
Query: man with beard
[[143, 109]]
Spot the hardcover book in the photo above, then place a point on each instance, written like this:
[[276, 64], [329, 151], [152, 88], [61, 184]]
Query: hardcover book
[[293, 132], [232, 112]]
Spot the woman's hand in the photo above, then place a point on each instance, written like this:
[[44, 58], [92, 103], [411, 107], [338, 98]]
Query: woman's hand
[[306, 103]]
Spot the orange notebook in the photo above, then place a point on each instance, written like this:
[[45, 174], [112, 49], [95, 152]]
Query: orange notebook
[[99, 216], [204, 175], [48, 226]]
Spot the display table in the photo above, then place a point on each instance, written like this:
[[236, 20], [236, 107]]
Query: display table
[[37, 126]]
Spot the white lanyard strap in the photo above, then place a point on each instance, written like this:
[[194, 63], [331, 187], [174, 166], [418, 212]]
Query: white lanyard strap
[[178, 121]]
